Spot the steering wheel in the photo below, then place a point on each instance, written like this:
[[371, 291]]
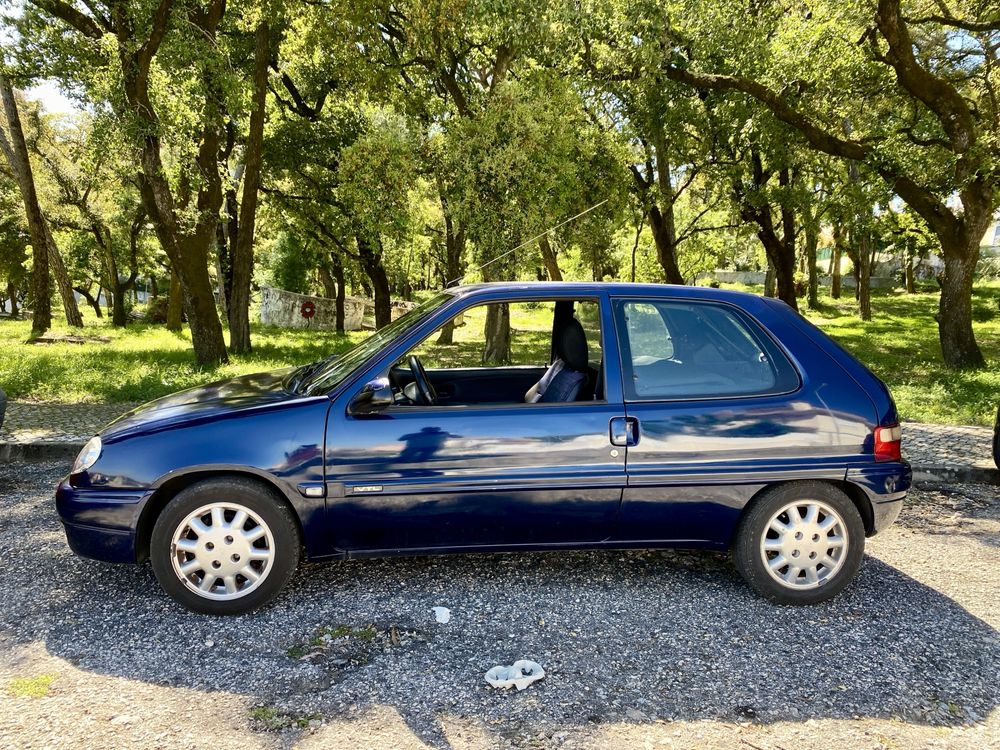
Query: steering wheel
[[427, 393]]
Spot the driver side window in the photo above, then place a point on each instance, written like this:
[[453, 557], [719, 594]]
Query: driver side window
[[506, 353], [496, 334]]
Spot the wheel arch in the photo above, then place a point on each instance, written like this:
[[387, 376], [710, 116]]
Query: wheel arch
[[855, 493], [167, 488]]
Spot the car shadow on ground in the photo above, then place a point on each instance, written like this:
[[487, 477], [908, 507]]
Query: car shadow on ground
[[668, 635], [623, 636]]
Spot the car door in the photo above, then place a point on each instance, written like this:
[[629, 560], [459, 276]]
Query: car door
[[480, 475], [716, 410]]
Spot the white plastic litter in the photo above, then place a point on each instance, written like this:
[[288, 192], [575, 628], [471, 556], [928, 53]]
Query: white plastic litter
[[520, 674], [442, 614]]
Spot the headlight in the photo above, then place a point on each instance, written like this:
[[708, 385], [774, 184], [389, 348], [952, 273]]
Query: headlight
[[88, 456]]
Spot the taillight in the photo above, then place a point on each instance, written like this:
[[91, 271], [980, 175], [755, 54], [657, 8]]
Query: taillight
[[888, 443]]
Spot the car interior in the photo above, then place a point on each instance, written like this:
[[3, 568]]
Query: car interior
[[555, 357], [680, 350]]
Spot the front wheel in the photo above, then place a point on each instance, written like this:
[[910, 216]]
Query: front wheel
[[800, 543], [224, 546]]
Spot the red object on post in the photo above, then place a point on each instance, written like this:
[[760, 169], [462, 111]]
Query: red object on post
[[308, 309]]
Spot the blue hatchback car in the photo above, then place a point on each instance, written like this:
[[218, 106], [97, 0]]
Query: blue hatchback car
[[608, 416]]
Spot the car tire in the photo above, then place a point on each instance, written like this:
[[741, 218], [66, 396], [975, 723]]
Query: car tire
[[800, 543], [225, 546]]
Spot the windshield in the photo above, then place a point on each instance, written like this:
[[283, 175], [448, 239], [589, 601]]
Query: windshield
[[335, 371]]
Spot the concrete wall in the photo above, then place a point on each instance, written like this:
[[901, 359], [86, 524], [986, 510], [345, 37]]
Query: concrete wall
[[282, 308], [398, 308]]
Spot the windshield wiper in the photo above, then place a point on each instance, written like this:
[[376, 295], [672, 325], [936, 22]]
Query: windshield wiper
[[304, 372]]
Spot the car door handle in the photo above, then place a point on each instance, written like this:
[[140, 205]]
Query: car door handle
[[624, 431]]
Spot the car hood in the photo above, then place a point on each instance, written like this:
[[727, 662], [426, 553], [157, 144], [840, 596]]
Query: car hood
[[203, 402]]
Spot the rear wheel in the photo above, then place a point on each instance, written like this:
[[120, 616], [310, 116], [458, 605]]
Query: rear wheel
[[800, 543], [224, 546]]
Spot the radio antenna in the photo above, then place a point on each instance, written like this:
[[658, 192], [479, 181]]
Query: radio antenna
[[528, 242]]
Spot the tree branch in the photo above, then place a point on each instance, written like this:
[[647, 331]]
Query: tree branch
[[161, 17], [937, 94], [957, 23], [67, 13]]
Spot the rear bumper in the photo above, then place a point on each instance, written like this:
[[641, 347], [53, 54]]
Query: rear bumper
[[886, 485], [101, 523]]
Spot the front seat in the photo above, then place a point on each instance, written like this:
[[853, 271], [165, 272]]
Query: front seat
[[568, 373]]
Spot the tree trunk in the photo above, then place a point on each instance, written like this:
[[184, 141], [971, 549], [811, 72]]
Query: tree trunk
[[780, 251], [221, 263], [326, 279], [63, 282], [116, 289], [12, 293], [838, 240], [175, 305], [549, 259], [662, 221], [635, 244], [186, 246], [784, 264], [958, 342], [863, 273], [496, 333], [93, 301], [16, 152], [911, 287], [371, 263], [242, 253], [152, 287], [454, 244], [665, 238], [811, 243], [17, 155], [118, 317], [769, 279], [338, 275]]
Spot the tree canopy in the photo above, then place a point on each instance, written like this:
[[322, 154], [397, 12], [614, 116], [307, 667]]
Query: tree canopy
[[388, 148]]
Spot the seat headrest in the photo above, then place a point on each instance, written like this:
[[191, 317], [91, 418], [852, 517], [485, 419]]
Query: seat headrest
[[571, 346]]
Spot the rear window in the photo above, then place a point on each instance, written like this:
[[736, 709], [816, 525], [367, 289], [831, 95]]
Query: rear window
[[673, 349]]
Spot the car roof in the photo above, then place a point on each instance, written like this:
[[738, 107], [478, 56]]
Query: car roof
[[615, 288]]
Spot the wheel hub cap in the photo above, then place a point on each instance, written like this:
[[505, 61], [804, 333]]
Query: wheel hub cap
[[804, 545], [222, 551]]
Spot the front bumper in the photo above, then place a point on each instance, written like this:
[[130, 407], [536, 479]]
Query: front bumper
[[101, 523]]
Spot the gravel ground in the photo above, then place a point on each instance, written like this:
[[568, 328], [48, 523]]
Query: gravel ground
[[641, 649]]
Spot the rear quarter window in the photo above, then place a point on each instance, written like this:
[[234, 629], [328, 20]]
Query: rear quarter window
[[674, 349]]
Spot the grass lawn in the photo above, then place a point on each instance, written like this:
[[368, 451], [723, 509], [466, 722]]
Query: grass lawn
[[900, 344], [143, 362]]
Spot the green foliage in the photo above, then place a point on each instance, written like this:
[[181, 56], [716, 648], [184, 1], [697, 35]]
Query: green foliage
[[435, 136], [271, 719], [289, 262], [528, 161], [13, 238], [37, 686]]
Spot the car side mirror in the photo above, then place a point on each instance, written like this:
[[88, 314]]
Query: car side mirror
[[372, 399]]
